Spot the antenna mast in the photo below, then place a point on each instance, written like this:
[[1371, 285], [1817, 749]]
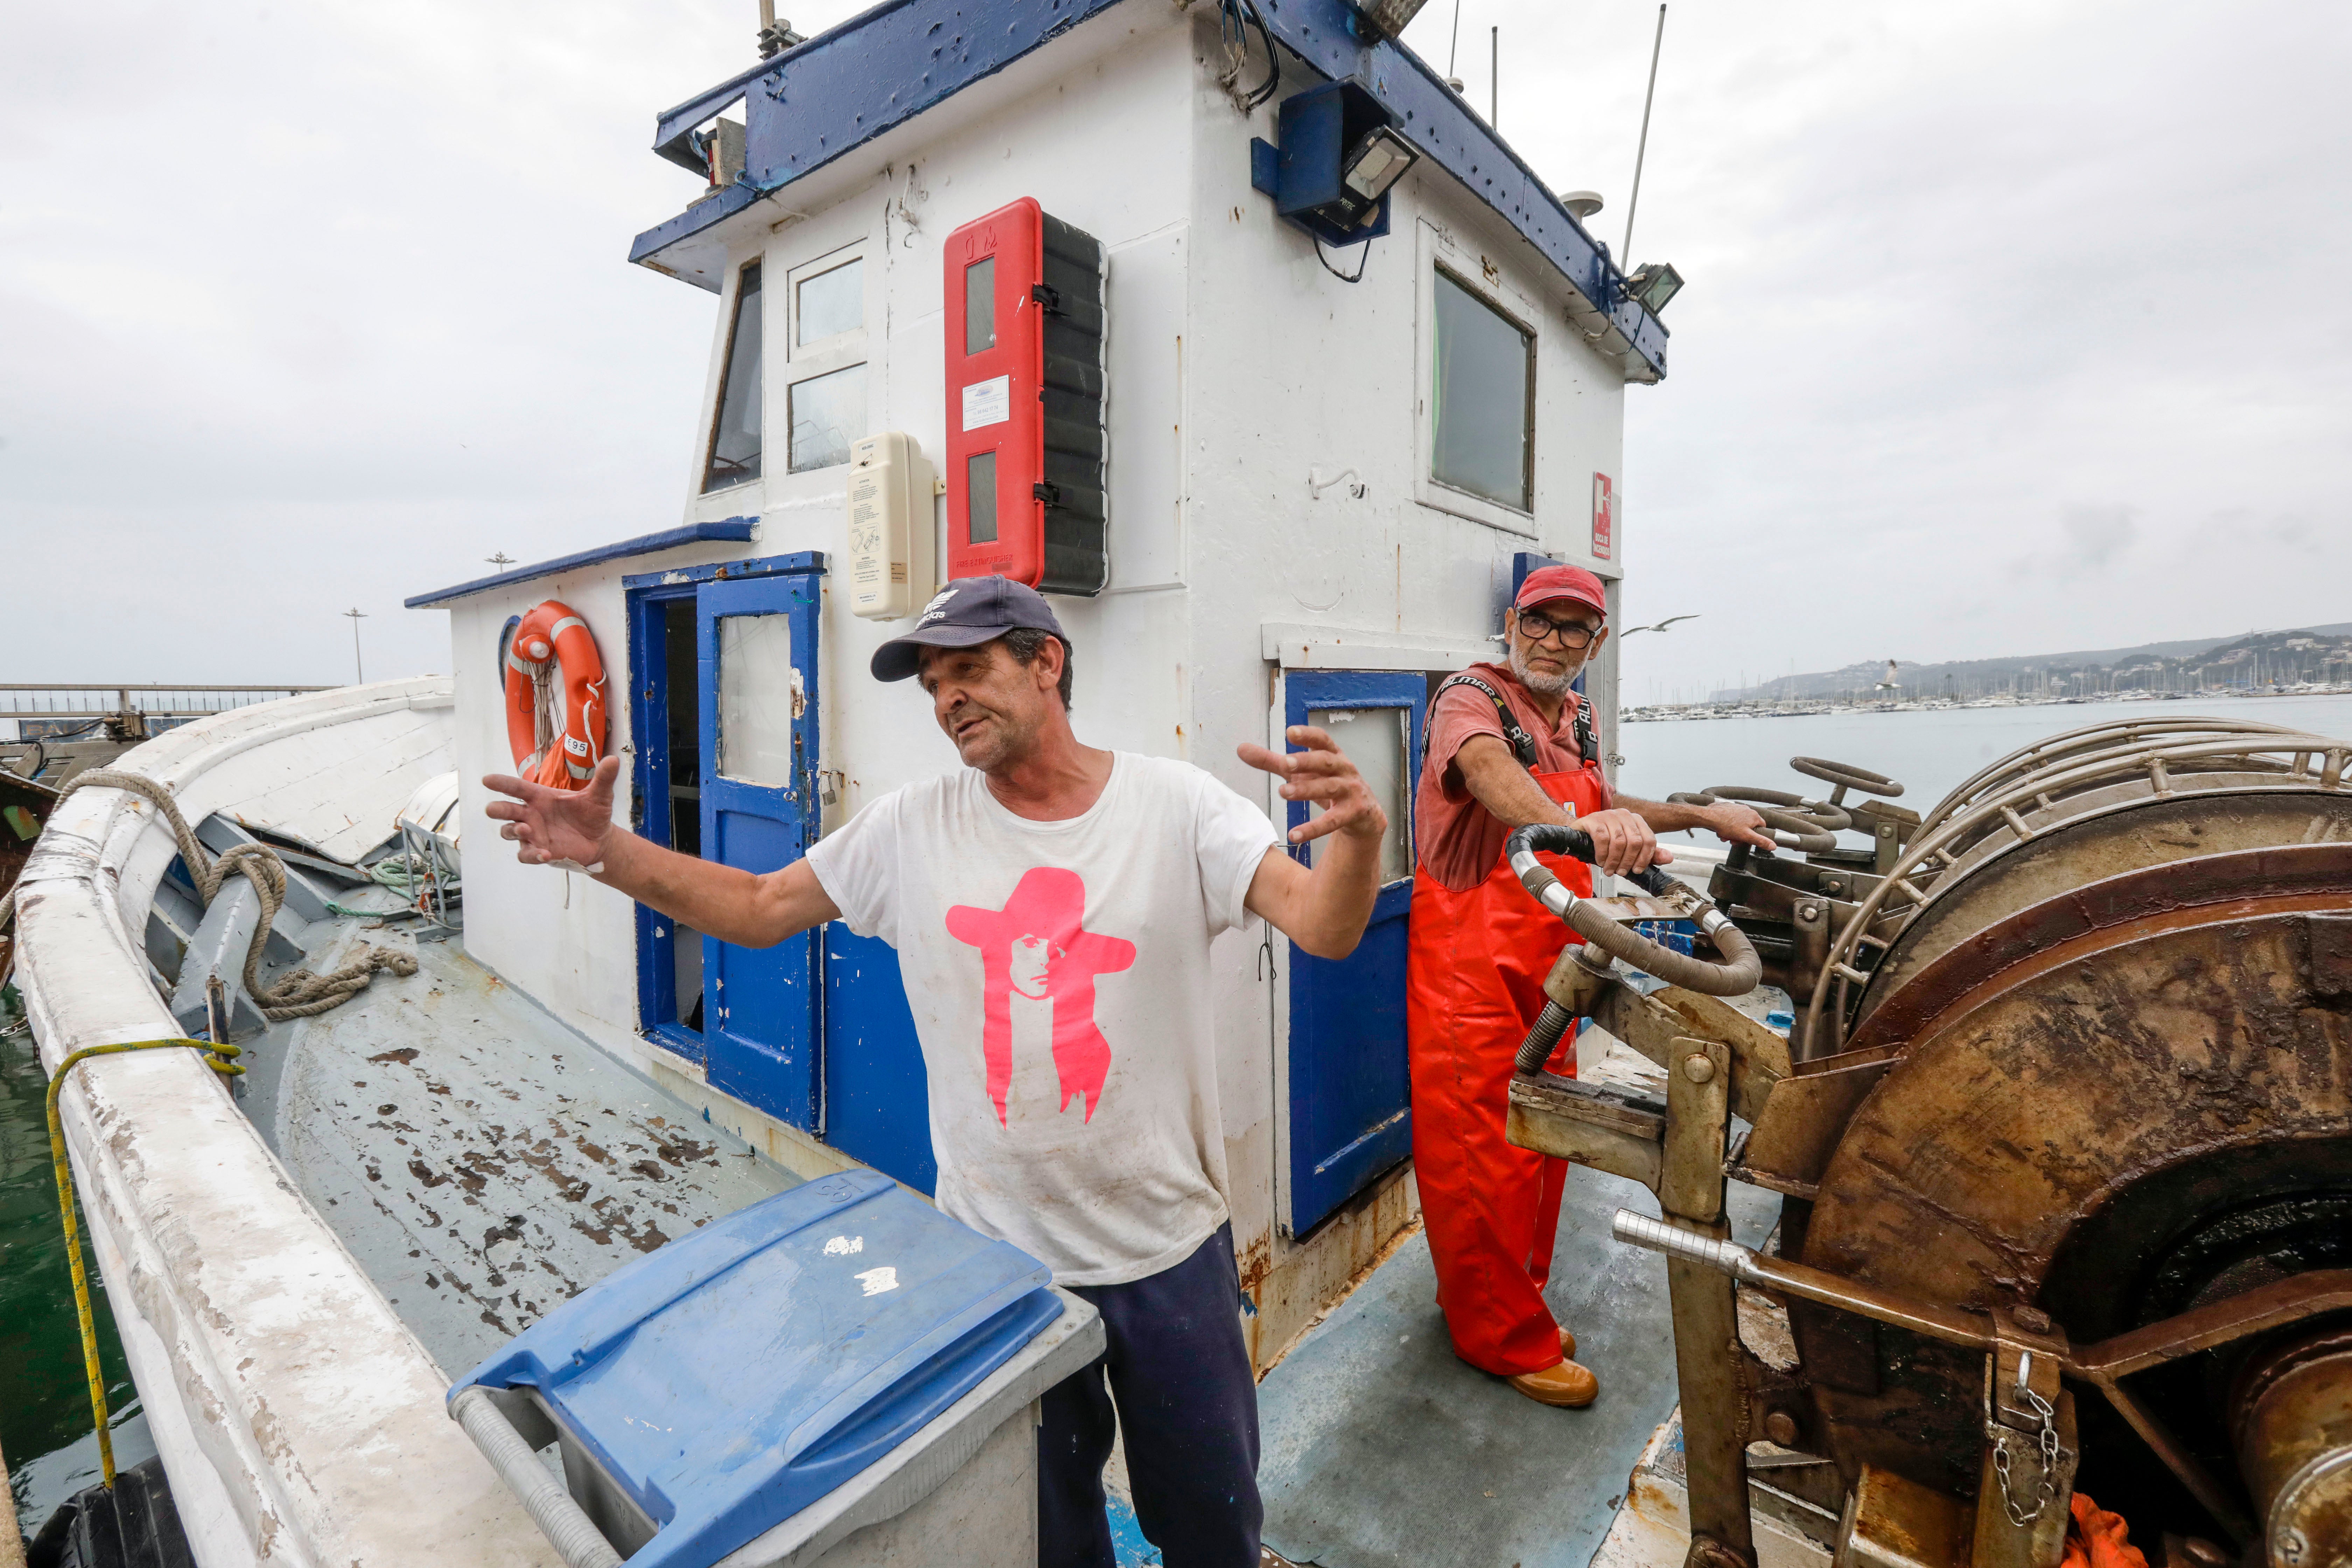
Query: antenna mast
[[1625, 262], [356, 615]]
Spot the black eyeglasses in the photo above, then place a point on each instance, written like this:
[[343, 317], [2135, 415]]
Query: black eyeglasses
[[1539, 625]]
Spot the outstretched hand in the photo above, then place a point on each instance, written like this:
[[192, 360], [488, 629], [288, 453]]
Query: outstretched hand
[[1322, 776], [557, 826]]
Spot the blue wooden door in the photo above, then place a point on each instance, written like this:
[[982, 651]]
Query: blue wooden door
[[756, 643], [1350, 1095]]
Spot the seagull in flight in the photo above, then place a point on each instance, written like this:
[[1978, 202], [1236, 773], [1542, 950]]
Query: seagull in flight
[[1662, 626]]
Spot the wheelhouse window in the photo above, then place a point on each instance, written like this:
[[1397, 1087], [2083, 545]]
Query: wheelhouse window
[[828, 414], [735, 431], [829, 304], [826, 381], [1483, 403]]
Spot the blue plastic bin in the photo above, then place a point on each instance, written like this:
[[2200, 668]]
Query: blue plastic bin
[[711, 1391]]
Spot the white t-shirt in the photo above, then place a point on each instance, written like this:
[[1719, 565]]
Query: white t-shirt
[[1059, 977]]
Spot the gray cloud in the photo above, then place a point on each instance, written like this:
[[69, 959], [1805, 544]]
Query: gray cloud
[[309, 307]]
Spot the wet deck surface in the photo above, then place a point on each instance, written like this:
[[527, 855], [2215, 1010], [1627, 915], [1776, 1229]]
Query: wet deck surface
[[1382, 1450], [482, 1162]]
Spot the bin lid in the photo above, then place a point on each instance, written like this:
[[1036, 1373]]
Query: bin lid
[[739, 1374]]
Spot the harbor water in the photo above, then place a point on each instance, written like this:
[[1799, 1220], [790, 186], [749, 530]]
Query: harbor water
[[44, 1418], [44, 1402], [1927, 751]]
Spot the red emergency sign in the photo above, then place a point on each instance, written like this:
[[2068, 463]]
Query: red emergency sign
[[1604, 517], [1028, 445]]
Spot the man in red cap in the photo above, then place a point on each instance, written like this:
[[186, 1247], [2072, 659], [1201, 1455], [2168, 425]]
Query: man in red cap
[[1509, 744]]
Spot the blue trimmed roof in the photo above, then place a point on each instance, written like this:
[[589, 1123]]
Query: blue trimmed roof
[[732, 530], [807, 107]]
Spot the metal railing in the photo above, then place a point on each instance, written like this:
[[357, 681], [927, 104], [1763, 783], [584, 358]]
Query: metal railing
[[105, 701]]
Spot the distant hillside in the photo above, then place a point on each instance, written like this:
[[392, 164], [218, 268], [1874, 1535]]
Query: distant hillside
[[2308, 653]]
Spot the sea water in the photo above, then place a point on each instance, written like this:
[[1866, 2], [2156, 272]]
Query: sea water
[[1927, 751], [45, 1414]]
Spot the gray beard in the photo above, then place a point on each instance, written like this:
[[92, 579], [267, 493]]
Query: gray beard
[[1542, 684]]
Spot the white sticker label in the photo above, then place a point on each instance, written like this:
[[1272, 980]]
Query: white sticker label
[[878, 1281], [988, 402], [842, 1245]]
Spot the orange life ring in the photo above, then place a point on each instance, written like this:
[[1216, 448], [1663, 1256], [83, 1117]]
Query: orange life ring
[[552, 635]]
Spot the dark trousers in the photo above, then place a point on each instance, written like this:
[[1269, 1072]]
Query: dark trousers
[[1179, 1372]]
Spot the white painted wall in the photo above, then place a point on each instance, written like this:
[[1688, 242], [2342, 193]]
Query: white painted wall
[[1239, 367]]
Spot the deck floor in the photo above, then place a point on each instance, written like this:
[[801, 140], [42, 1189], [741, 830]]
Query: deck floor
[[484, 1164], [481, 1160], [1382, 1450]]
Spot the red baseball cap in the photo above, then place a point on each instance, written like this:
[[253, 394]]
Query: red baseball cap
[[1546, 583]]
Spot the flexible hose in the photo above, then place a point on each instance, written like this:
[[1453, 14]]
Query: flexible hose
[[564, 1522], [1735, 976], [1544, 1038]]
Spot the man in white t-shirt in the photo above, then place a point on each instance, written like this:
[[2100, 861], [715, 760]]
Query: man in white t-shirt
[[1052, 905]]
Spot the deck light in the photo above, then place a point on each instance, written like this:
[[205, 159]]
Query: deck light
[[1385, 18], [1379, 161], [1653, 284], [1340, 152]]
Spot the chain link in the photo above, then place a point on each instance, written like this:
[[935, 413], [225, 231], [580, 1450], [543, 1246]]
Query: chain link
[[2047, 1491]]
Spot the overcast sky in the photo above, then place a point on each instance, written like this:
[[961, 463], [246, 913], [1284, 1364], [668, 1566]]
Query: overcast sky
[[2022, 324]]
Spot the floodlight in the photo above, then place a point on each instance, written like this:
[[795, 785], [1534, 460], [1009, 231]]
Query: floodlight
[[1379, 161], [1654, 283], [1387, 18]]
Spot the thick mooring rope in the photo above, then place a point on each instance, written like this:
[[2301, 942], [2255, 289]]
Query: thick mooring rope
[[298, 994]]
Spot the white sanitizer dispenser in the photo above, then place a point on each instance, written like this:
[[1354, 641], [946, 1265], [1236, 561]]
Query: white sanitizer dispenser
[[892, 558]]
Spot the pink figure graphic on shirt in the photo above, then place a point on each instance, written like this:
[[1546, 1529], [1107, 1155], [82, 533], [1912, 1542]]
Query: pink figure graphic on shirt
[[1037, 945]]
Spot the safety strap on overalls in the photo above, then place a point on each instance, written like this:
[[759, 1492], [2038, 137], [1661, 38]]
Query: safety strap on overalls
[[1522, 744]]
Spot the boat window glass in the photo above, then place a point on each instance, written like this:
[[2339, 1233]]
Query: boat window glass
[[1483, 405], [830, 304], [758, 691], [735, 432], [980, 485], [828, 412], [1374, 739], [979, 306]]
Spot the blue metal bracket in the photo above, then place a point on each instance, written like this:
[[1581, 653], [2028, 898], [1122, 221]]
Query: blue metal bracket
[[810, 561]]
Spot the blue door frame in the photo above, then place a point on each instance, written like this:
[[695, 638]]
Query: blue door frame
[[661, 1011], [650, 596], [1350, 1089], [759, 1006]]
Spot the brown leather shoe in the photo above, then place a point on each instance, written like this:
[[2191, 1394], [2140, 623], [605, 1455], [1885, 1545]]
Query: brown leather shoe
[[1567, 1345], [1567, 1385]]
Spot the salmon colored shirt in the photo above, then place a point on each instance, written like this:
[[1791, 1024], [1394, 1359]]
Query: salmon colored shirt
[[1461, 841]]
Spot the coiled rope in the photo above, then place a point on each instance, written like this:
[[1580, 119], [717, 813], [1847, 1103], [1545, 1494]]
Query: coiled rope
[[299, 992]]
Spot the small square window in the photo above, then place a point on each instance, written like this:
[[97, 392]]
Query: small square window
[[829, 304], [1374, 739], [828, 413], [1481, 405], [980, 485], [979, 306]]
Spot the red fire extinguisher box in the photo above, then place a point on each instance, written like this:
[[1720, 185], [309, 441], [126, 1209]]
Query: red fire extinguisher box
[[1027, 445]]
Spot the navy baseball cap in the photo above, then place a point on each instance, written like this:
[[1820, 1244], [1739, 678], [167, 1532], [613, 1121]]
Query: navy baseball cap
[[966, 612]]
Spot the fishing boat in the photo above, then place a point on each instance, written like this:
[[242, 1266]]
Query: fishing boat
[[1231, 326]]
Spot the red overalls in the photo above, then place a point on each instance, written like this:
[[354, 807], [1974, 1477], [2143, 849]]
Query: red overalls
[[1474, 985]]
